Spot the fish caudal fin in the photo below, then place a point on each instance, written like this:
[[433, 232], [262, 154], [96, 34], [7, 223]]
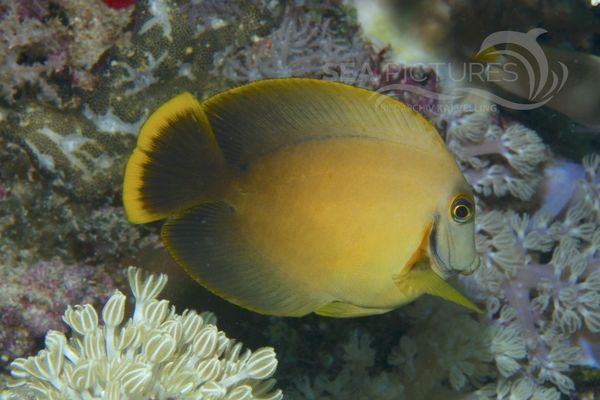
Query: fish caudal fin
[[426, 281], [176, 164], [208, 244]]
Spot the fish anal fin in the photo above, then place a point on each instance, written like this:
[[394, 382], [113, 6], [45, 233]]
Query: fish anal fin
[[208, 244], [338, 309], [424, 280]]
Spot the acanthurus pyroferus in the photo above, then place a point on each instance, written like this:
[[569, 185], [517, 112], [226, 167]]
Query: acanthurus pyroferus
[[291, 196]]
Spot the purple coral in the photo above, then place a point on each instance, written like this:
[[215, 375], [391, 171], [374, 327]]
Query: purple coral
[[416, 85], [541, 275], [34, 300], [559, 184]]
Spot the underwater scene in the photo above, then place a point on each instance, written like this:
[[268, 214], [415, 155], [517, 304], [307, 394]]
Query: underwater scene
[[263, 199]]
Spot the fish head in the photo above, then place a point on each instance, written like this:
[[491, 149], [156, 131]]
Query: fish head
[[452, 236]]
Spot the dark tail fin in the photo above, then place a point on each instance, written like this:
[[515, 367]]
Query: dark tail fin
[[177, 163]]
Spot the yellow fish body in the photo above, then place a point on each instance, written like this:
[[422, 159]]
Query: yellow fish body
[[292, 196]]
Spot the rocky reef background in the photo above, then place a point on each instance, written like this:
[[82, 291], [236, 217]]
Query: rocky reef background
[[77, 78]]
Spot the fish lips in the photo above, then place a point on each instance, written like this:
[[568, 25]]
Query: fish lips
[[438, 265]]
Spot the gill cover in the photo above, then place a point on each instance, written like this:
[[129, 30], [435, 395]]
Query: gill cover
[[452, 239]]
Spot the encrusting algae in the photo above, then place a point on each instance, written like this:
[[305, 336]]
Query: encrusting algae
[[291, 196]]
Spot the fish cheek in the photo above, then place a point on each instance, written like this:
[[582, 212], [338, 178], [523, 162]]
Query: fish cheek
[[463, 257], [440, 247], [452, 248]]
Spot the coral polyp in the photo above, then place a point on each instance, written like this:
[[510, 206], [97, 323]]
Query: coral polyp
[[156, 353]]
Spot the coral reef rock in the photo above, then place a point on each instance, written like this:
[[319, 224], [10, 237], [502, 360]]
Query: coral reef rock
[[82, 144]]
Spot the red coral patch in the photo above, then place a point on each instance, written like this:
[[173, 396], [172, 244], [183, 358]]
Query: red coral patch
[[118, 4]]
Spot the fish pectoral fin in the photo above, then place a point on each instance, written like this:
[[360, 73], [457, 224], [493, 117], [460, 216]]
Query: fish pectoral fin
[[420, 281], [338, 309], [207, 243]]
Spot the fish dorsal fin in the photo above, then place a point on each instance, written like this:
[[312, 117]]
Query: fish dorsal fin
[[264, 116], [424, 280], [338, 309], [207, 243]]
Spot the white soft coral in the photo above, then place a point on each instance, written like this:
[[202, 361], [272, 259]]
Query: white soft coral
[[497, 159]]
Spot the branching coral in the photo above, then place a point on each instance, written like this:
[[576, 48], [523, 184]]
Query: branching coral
[[206, 15], [303, 45], [156, 353], [435, 358], [356, 380]]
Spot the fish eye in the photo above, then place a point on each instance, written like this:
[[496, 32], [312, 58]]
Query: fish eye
[[462, 209]]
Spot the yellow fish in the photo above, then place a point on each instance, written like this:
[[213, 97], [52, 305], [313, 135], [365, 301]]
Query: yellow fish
[[291, 196]]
